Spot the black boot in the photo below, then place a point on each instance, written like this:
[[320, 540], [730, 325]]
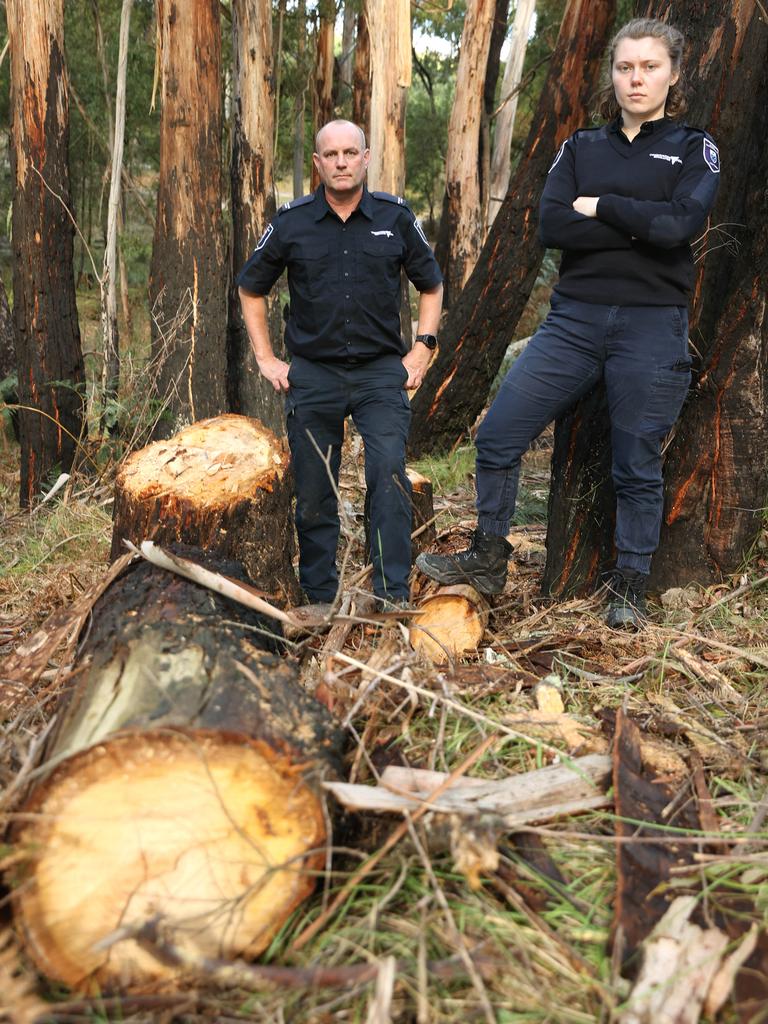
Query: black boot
[[483, 565], [626, 599]]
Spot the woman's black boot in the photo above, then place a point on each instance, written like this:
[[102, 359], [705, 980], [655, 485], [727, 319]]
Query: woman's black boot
[[483, 565]]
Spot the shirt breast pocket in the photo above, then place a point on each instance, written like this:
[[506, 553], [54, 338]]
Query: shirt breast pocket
[[312, 268], [380, 264]]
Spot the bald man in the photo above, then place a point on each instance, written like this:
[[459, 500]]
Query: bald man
[[344, 248]]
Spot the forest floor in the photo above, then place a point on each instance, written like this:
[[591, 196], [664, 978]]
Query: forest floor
[[533, 937]]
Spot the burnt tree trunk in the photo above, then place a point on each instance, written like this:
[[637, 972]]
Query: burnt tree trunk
[[483, 319], [223, 485], [188, 280], [183, 782], [253, 203], [461, 228], [49, 359], [716, 470]]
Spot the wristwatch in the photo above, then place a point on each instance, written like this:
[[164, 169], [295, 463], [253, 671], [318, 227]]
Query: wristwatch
[[427, 339]]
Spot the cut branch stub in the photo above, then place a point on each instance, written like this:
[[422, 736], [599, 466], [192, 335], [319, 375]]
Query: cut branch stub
[[184, 785], [451, 624], [223, 485]]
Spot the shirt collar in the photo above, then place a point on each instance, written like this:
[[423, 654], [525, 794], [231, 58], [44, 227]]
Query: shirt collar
[[365, 206], [646, 128]]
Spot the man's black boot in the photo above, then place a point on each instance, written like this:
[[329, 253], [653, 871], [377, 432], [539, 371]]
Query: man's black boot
[[626, 599], [483, 565]]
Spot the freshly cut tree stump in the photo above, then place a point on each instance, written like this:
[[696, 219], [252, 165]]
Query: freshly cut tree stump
[[222, 484], [184, 784], [452, 623]]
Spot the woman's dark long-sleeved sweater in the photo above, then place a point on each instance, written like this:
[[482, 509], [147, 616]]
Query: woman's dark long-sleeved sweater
[[655, 196]]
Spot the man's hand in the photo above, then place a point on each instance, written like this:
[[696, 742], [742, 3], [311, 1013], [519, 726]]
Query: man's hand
[[416, 363], [586, 205], [276, 372]]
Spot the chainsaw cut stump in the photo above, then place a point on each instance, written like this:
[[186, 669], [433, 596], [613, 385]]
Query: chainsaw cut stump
[[452, 623], [223, 485]]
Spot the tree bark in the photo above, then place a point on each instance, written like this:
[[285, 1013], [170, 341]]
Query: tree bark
[[483, 319], [716, 470], [48, 355], [347, 59], [253, 202], [188, 280], [300, 101], [505, 119], [7, 343], [361, 76], [463, 208], [322, 95], [389, 27], [221, 484], [184, 783]]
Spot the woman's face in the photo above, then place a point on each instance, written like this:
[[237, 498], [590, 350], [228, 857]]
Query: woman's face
[[642, 74]]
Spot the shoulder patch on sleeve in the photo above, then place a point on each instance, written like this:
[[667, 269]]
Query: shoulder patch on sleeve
[[265, 237], [711, 155], [293, 203], [556, 161], [389, 198]]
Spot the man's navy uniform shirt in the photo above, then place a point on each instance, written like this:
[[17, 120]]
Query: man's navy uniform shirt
[[343, 276], [655, 196]]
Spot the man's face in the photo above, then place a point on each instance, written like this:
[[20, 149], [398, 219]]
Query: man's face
[[340, 161]]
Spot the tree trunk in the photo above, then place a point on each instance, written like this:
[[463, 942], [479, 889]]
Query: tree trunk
[[300, 101], [716, 471], [361, 76], [184, 785], [505, 119], [492, 68], [49, 359], [7, 344], [253, 202], [188, 281], [389, 27], [111, 369], [463, 208], [483, 319], [347, 59], [322, 95], [223, 485]]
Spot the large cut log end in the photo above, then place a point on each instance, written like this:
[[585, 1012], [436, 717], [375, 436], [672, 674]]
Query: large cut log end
[[219, 838], [223, 485], [451, 624]]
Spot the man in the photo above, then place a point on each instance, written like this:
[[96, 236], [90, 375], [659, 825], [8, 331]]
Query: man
[[344, 248]]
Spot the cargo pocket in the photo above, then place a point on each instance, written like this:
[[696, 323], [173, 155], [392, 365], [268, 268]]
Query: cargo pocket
[[668, 392]]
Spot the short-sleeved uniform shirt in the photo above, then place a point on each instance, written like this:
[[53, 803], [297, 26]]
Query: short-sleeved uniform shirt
[[343, 276]]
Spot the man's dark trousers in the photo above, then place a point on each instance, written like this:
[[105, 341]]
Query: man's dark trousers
[[321, 396], [642, 354]]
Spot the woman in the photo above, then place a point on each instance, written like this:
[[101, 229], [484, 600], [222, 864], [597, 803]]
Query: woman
[[623, 202]]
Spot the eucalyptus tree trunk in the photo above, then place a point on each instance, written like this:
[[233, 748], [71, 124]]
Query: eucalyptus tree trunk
[[389, 28], [463, 208], [322, 95], [483, 319], [361, 75], [48, 355], [253, 203], [505, 119], [7, 343], [188, 280], [347, 59], [111, 368], [300, 100], [716, 469]]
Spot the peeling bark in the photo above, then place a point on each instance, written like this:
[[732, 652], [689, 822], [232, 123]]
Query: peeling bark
[[389, 25], [484, 317], [48, 355], [253, 202], [188, 292]]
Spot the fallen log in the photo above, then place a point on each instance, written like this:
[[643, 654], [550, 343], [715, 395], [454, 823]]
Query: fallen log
[[182, 781], [451, 624], [222, 484]]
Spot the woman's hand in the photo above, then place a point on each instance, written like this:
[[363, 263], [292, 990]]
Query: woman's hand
[[586, 205]]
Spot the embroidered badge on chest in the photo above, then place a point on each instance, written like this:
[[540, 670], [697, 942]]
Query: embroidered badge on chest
[[666, 156], [387, 234], [711, 156]]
